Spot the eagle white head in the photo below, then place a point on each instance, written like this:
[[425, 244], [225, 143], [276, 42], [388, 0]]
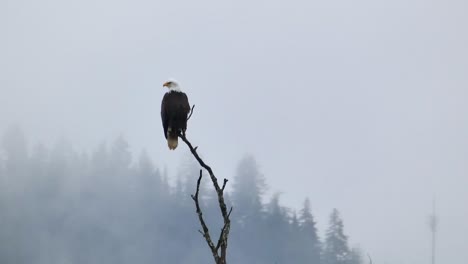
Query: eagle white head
[[172, 86]]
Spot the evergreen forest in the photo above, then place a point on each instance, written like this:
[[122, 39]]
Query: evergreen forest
[[58, 205]]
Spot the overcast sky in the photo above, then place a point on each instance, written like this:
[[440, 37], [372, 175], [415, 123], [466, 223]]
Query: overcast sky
[[358, 105]]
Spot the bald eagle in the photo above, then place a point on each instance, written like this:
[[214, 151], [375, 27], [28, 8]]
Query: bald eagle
[[175, 108]]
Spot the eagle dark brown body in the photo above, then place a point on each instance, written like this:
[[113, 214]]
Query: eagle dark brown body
[[175, 108]]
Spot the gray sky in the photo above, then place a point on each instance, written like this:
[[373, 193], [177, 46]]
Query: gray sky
[[359, 105]]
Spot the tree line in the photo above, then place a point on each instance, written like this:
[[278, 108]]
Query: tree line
[[58, 205]]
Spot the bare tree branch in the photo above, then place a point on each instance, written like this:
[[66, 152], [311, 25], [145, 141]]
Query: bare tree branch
[[222, 244], [206, 232]]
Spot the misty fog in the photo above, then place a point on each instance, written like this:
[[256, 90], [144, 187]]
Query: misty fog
[[358, 106], [62, 206]]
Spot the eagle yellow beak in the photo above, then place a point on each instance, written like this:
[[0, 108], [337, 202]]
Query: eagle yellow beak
[[166, 84]]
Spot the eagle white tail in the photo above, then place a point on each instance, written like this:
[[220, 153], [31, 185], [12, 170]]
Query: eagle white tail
[[172, 142]]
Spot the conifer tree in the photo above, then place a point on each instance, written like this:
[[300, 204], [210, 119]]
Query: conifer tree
[[308, 234], [336, 249], [277, 230], [248, 217], [249, 187]]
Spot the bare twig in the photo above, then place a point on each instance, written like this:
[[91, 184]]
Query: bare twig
[[191, 112], [222, 244], [370, 260], [224, 185]]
